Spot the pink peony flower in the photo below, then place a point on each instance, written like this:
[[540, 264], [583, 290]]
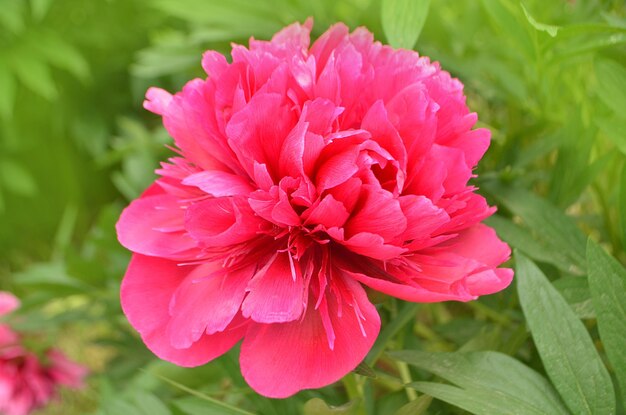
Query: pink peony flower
[[27, 383], [303, 174]]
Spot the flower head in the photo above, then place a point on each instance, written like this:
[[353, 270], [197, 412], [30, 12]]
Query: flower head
[[305, 172], [27, 382]]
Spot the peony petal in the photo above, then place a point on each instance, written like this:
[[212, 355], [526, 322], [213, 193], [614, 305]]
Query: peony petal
[[423, 218], [222, 221], [367, 244], [214, 63], [206, 302], [379, 213], [337, 169], [256, 133], [376, 121], [278, 360], [219, 183], [329, 212], [157, 100], [154, 225], [8, 303], [189, 119], [146, 293], [277, 292], [65, 372]]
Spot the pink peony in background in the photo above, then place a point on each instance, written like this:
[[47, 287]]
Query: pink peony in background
[[304, 174], [26, 382]]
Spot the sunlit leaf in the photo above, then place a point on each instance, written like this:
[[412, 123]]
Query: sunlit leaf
[[16, 178], [622, 205], [40, 8], [403, 21], [8, 87], [612, 85], [34, 73], [542, 27]]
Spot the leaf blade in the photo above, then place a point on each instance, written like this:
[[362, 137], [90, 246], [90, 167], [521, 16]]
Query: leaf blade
[[403, 21], [607, 282], [566, 349], [492, 374]]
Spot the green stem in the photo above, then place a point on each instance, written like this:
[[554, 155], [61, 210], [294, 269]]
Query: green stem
[[405, 375]]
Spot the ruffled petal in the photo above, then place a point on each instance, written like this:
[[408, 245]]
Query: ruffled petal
[[222, 221], [278, 360], [277, 292], [146, 293], [206, 301], [154, 225]]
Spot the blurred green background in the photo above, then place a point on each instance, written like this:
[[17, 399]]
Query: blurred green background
[[547, 77]]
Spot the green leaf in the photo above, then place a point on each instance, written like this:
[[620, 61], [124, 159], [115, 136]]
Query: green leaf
[[607, 282], [403, 21], [364, 369], [198, 406], [488, 383], [406, 315], [575, 290], [150, 404], [519, 237], [317, 406], [549, 29], [40, 8], [63, 55], [52, 274], [16, 178], [556, 230], [566, 349], [34, 73], [506, 18], [12, 16], [200, 403], [417, 407], [8, 88], [240, 17], [615, 130], [612, 84], [622, 205]]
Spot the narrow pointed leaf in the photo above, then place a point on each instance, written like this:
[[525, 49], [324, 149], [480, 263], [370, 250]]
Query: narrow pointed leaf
[[566, 349], [558, 231], [512, 387], [612, 84], [607, 282]]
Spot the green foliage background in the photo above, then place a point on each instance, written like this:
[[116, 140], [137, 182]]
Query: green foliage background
[[547, 77]]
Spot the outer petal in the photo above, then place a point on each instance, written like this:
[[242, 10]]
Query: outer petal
[[277, 292], [278, 360], [154, 225], [219, 183], [207, 301], [65, 372], [8, 303], [146, 293]]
